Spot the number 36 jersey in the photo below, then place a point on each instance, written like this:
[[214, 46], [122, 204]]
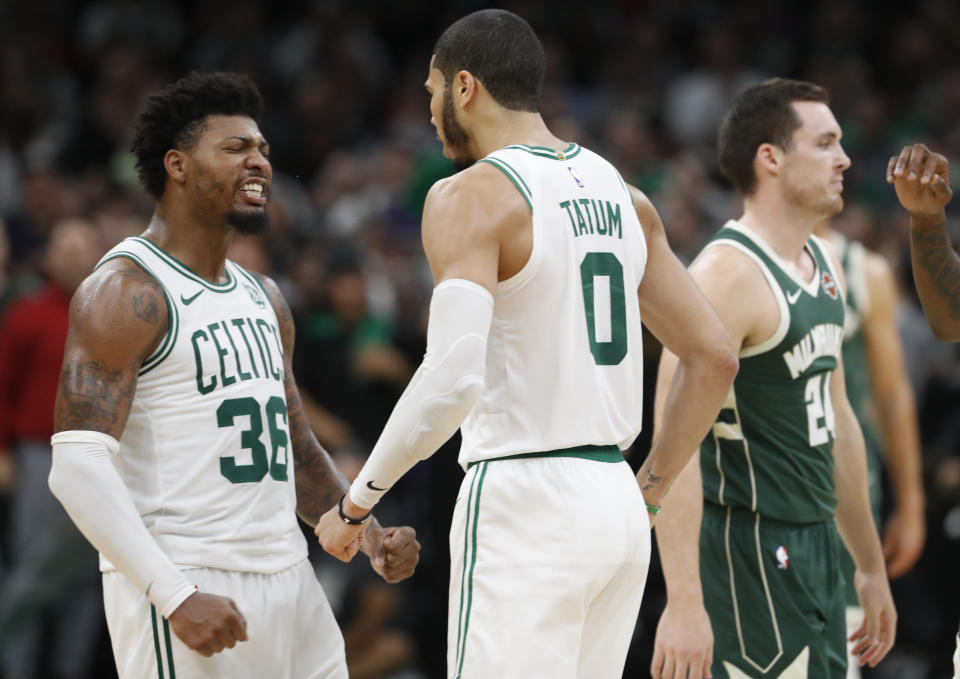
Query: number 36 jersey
[[771, 447], [564, 364], [206, 453]]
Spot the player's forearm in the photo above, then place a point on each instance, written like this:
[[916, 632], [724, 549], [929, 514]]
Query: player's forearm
[[320, 485], [84, 480], [678, 536], [698, 389], [853, 515], [936, 269], [897, 412]]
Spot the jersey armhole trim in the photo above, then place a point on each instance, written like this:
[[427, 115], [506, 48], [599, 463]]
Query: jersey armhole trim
[[775, 288], [173, 317], [513, 176]]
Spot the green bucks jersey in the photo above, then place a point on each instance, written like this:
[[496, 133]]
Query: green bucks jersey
[[771, 448]]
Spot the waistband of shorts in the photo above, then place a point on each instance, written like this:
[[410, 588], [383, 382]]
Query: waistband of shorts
[[748, 515], [608, 454]]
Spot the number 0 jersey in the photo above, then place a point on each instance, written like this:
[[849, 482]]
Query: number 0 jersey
[[564, 364], [771, 448], [205, 453]]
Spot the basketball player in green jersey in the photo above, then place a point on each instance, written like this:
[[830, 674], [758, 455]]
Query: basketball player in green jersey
[[761, 593], [881, 397], [922, 181]]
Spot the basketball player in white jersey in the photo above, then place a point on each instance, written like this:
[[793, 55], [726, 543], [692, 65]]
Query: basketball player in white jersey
[[921, 178], [545, 261], [180, 429]]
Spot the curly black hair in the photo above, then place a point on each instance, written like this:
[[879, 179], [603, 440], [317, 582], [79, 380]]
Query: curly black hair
[[175, 117]]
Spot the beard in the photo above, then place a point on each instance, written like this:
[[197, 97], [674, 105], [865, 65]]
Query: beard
[[254, 221], [455, 134]]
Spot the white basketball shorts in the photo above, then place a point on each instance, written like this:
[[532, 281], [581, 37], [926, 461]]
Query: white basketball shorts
[[549, 557], [291, 629]]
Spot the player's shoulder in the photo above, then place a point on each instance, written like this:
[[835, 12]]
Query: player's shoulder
[[877, 268], [280, 305], [481, 181], [727, 265], [116, 280], [479, 197], [120, 307]]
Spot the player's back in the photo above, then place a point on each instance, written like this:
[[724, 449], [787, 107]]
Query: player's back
[[205, 452], [564, 354]]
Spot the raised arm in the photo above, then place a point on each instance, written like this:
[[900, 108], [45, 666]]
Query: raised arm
[[117, 318], [393, 552], [679, 315], [904, 532], [922, 181]]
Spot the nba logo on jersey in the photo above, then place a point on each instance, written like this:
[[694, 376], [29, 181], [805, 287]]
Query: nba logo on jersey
[[829, 285], [576, 177], [783, 559]]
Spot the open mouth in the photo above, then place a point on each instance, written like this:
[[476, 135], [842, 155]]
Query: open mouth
[[254, 191]]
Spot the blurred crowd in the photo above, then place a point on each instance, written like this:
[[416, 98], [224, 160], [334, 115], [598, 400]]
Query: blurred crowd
[[643, 82]]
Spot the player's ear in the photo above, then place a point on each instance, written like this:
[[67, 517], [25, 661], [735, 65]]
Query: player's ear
[[768, 159], [465, 88], [175, 163]]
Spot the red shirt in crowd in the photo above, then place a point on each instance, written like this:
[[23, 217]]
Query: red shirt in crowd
[[33, 331]]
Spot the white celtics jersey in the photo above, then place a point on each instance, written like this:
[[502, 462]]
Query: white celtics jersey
[[205, 453], [564, 363]]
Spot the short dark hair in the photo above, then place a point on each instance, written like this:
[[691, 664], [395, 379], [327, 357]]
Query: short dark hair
[[175, 117], [763, 114], [501, 50]]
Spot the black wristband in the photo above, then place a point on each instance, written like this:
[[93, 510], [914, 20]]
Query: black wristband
[[349, 520]]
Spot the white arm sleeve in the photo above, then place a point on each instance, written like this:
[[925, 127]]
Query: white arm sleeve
[[85, 481], [441, 393]]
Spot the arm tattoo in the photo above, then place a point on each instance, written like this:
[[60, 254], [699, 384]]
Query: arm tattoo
[[934, 254], [145, 307], [652, 481], [94, 397], [319, 483]]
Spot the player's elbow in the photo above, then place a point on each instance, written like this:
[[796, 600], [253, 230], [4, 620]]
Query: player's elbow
[[720, 360], [726, 362], [65, 473]]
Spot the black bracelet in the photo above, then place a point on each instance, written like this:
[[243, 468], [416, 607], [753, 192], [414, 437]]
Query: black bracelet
[[349, 520]]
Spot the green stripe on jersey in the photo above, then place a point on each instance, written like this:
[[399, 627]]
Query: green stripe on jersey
[[156, 640], [473, 562], [595, 453], [186, 271], [547, 152], [513, 176]]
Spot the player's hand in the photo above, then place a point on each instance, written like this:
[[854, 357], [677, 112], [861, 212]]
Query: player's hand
[[903, 539], [876, 635], [683, 648], [921, 179], [394, 552], [337, 538], [208, 623]]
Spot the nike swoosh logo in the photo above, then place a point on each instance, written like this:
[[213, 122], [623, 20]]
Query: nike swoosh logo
[[188, 300], [373, 487], [791, 298]]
